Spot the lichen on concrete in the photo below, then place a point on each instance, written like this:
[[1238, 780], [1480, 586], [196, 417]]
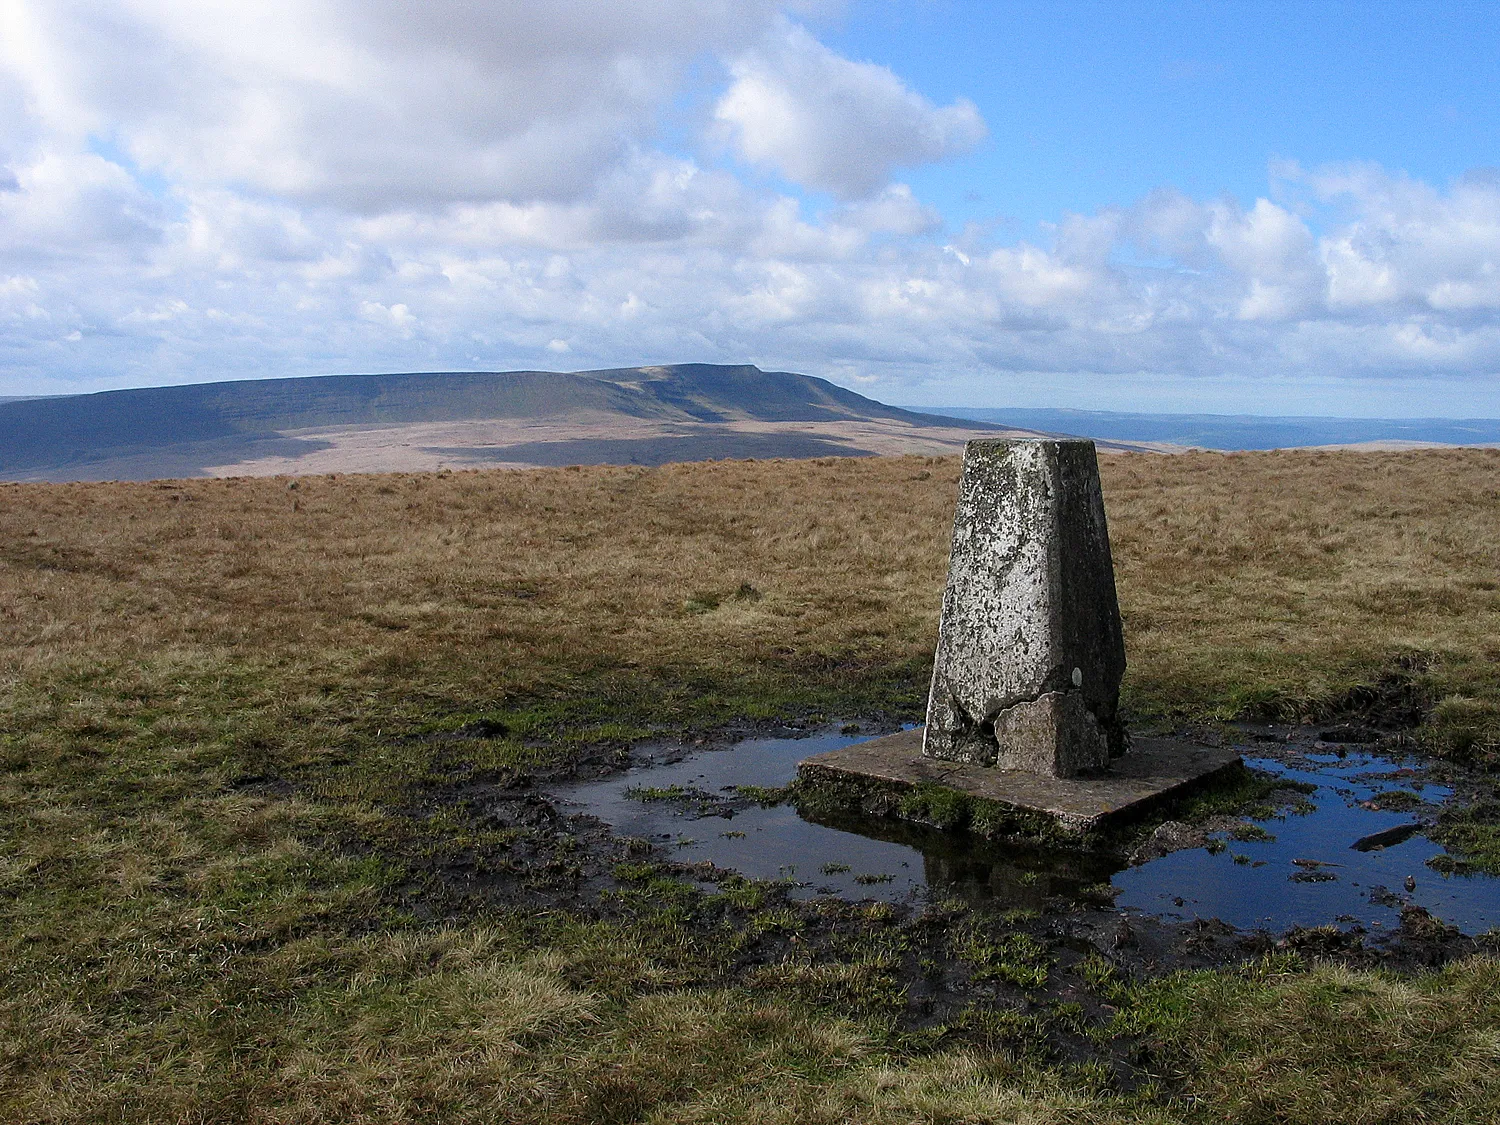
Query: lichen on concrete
[[1030, 650]]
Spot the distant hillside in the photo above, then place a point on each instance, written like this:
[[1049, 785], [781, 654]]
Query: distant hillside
[[640, 414], [1237, 431]]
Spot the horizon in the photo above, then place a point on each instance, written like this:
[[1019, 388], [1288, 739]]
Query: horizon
[[1256, 209], [977, 409]]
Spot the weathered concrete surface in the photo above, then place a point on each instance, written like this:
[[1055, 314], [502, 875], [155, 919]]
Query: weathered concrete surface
[[1154, 769], [1030, 649]]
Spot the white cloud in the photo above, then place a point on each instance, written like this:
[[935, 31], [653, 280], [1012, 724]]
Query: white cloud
[[830, 123], [893, 211], [1405, 242], [397, 316], [1271, 249], [369, 104], [234, 286], [331, 186], [76, 205], [1358, 274]]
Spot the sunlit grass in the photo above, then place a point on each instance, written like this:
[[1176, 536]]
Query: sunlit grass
[[228, 705]]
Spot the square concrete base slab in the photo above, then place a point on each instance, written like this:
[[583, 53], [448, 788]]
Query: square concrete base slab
[[1152, 770]]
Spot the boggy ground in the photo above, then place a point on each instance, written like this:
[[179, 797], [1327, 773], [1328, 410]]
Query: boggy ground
[[268, 851], [940, 965]]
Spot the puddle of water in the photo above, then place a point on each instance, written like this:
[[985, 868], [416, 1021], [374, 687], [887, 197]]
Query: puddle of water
[[858, 858], [1335, 883], [854, 859], [762, 843]]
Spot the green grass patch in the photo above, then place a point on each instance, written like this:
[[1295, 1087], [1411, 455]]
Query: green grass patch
[[1471, 835], [1016, 958], [1329, 1045], [247, 756]]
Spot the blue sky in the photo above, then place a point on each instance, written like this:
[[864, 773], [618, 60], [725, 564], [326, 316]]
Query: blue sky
[[1273, 208], [1093, 104]]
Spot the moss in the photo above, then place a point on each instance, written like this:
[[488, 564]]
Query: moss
[[1472, 837], [995, 821], [1464, 728], [741, 893], [1242, 793], [835, 796], [1398, 800], [765, 795], [936, 805], [1101, 976], [1250, 833], [1016, 958], [660, 793], [1281, 1041], [636, 872]]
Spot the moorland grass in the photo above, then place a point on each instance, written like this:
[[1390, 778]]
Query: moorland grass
[[226, 705]]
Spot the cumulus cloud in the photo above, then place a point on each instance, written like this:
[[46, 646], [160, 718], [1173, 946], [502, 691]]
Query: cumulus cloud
[[1253, 291], [73, 206], [1405, 242], [369, 104], [191, 192], [893, 211], [834, 124]]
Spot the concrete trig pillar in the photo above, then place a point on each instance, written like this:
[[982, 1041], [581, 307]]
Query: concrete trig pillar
[[1030, 650]]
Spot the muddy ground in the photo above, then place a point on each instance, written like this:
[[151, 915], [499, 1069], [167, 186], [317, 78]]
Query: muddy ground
[[941, 967]]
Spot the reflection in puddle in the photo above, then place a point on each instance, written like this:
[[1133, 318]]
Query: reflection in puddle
[[702, 820], [762, 843], [1312, 873], [1307, 872]]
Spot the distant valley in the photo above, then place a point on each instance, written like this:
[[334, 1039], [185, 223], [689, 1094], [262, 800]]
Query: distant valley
[[1241, 431]]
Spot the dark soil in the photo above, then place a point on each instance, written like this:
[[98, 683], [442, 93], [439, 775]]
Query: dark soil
[[517, 852]]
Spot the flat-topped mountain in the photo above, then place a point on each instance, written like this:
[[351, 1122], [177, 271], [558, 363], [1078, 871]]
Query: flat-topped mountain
[[353, 423]]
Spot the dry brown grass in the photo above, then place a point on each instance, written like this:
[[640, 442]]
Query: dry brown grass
[[1278, 581], [174, 946], [506, 575], [1333, 1046], [1272, 580]]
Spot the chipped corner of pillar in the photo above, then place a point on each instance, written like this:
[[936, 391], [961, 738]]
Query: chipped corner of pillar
[[1030, 648]]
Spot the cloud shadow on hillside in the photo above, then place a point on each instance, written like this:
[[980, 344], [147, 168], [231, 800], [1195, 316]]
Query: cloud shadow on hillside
[[188, 459], [710, 445]]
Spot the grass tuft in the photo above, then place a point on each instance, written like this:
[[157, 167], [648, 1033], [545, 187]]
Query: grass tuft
[[250, 752]]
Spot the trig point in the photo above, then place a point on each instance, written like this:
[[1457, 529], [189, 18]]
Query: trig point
[[1023, 717], [1030, 652]]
